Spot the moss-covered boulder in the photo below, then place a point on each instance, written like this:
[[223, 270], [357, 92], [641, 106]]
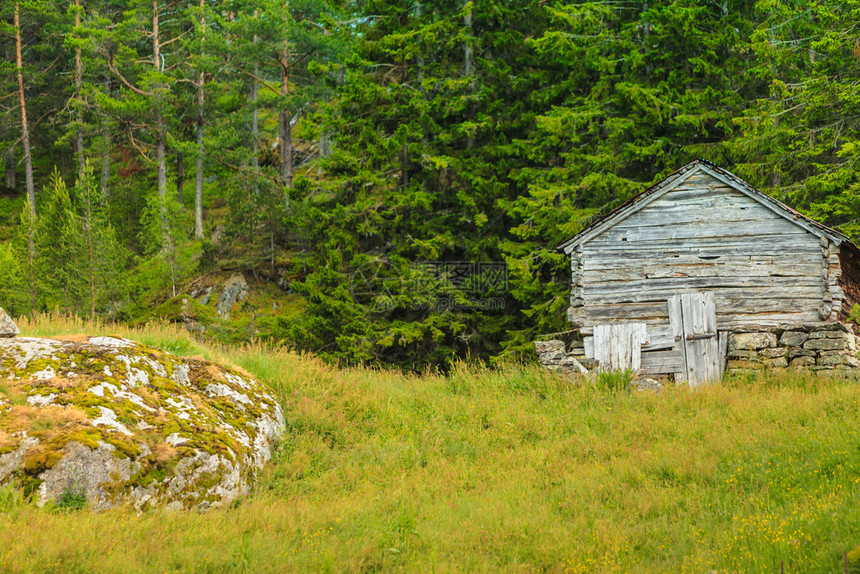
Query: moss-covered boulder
[[118, 422]]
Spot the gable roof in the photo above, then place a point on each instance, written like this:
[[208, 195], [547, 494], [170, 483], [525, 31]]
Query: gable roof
[[663, 187]]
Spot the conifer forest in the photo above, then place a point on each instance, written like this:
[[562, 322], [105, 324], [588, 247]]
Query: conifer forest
[[385, 182]]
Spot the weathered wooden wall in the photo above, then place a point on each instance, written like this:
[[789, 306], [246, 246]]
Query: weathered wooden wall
[[704, 236], [848, 280]]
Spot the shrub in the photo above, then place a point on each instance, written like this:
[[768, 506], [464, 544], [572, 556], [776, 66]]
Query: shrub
[[70, 499]]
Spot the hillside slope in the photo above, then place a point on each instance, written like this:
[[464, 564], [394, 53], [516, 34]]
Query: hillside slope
[[488, 470]]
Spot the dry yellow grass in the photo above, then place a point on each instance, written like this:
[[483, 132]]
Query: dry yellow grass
[[497, 470]]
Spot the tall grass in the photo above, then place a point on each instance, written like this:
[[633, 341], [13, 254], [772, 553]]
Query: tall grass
[[511, 469]]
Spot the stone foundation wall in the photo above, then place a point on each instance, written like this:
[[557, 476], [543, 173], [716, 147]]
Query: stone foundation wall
[[827, 347], [817, 347], [570, 359]]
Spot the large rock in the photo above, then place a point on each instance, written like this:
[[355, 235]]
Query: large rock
[[8, 328], [236, 289], [123, 423]]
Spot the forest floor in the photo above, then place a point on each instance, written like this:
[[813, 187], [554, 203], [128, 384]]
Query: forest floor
[[512, 469]]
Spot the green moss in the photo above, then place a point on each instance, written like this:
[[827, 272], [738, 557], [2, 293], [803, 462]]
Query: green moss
[[153, 475], [90, 437], [28, 485], [38, 460], [207, 480], [125, 448]]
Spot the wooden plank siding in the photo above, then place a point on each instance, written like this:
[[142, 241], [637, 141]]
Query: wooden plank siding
[[848, 281], [703, 236]]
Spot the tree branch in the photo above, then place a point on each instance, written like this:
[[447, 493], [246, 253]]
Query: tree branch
[[246, 170], [135, 89], [262, 82], [296, 62], [133, 143]]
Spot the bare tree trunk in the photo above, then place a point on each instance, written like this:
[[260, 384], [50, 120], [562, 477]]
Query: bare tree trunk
[[255, 123], [11, 166], [161, 160], [255, 130], [286, 132], [404, 166], [28, 162], [25, 131], [198, 166], [198, 181], [180, 178], [79, 112], [106, 137], [92, 260], [468, 63]]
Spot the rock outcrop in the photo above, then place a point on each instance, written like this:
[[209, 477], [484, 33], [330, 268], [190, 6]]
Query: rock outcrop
[[122, 423], [8, 328], [235, 290]]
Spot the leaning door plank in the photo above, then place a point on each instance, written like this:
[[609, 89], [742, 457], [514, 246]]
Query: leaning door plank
[[723, 344], [619, 347], [676, 326]]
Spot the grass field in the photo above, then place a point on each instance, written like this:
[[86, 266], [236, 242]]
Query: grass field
[[487, 470]]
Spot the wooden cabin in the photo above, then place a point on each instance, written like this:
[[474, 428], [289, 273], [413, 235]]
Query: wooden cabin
[[661, 282]]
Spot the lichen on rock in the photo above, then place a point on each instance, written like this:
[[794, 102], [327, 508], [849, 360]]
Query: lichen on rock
[[123, 423]]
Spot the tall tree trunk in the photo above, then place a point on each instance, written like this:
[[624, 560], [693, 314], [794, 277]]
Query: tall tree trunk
[[11, 166], [25, 130], [255, 122], [28, 162], [106, 138], [198, 165], [180, 178], [255, 130], [79, 83], [286, 132], [89, 231], [160, 157], [404, 166], [198, 176], [468, 64]]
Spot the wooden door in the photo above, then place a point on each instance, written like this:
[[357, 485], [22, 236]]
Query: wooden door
[[693, 319]]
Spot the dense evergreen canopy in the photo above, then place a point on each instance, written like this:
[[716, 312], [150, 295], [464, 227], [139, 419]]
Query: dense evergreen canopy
[[405, 167]]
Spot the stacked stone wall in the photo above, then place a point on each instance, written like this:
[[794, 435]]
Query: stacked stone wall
[[828, 347], [557, 356], [819, 348]]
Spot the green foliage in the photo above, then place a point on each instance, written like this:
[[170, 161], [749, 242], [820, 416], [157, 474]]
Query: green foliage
[[70, 500], [77, 259], [173, 255], [854, 315], [10, 499], [614, 381], [339, 135]]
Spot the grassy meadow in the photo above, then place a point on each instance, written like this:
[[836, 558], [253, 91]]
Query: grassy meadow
[[493, 470]]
